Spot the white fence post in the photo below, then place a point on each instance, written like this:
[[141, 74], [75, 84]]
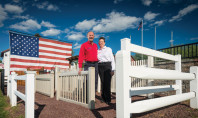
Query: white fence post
[[29, 94], [8, 85], [150, 82], [99, 84], [57, 70], [194, 87], [178, 68], [13, 86], [52, 85], [91, 88], [123, 81]]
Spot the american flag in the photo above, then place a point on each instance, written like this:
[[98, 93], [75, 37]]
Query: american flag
[[140, 25], [35, 53]]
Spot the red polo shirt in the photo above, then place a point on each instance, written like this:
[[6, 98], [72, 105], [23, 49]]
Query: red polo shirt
[[88, 52]]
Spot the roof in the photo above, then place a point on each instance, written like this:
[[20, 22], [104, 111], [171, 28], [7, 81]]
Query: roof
[[70, 59], [4, 52]]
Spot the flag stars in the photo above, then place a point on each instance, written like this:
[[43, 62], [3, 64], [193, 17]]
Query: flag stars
[[24, 45]]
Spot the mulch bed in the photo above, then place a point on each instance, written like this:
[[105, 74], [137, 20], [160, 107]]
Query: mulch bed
[[46, 107]]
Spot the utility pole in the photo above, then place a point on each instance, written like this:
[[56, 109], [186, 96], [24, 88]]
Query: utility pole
[[142, 37]]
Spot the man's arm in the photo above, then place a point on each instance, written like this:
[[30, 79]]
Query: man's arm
[[81, 58]]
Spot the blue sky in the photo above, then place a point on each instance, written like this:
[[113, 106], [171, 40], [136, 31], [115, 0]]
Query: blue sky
[[70, 20]]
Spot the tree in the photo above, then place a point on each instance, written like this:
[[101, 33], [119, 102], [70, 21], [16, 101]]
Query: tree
[[72, 52], [37, 35]]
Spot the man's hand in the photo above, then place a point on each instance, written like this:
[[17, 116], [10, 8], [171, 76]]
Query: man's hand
[[79, 72], [112, 73]]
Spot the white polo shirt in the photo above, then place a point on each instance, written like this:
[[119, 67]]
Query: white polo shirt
[[106, 55]]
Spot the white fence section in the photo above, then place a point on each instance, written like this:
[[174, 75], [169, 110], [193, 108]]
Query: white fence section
[[45, 84], [135, 82], [29, 92], [78, 89], [124, 105]]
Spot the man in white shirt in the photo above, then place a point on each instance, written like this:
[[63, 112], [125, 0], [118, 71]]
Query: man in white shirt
[[106, 67]]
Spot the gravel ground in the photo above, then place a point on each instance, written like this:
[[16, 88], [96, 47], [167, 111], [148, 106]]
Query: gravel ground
[[46, 107]]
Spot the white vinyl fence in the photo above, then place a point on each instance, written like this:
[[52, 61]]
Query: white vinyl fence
[[124, 105], [45, 84], [137, 82], [78, 89], [29, 95]]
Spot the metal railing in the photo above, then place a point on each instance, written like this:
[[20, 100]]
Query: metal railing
[[186, 51]]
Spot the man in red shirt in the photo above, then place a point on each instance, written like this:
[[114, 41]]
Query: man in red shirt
[[88, 53]]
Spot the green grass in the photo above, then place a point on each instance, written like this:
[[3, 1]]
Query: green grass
[[6, 111], [3, 106]]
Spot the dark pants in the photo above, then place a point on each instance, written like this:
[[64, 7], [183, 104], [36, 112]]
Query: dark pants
[[93, 64], [105, 76]]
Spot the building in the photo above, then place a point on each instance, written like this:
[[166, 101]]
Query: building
[[6, 62]]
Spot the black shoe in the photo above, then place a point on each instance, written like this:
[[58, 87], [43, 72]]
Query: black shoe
[[108, 103], [102, 101]]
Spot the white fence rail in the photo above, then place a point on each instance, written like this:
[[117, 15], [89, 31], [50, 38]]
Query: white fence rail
[[45, 84], [124, 105], [29, 95], [78, 89], [135, 82]]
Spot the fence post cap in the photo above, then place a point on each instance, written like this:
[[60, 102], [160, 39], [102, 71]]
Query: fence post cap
[[125, 39], [30, 72]]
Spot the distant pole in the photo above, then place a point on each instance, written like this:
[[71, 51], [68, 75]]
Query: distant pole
[[171, 41], [142, 37], [155, 37], [155, 44], [130, 36]]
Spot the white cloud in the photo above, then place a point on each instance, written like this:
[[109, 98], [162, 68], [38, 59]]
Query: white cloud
[[26, 25], [52, 7], [150, 16], [195, 38], [21, 17], [85, 25], [46, 5], [161, 22], [3, 16], [146, 2], [184, 12], [77, 46], [13, 9], [47, 24], [117, 1], [116, 21], [66, 30], [51, 32], [75, 36]]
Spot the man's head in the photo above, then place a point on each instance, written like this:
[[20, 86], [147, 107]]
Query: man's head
[[101, 42], [90, 36]]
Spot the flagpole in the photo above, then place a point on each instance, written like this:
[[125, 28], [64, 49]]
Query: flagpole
[[155, 37], [142, 37]]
